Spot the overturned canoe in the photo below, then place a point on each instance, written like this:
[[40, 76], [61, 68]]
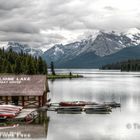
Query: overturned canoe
[[7, 115], [11, 107]]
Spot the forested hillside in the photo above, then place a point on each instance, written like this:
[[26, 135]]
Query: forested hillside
[[130, 65], [21, 63]]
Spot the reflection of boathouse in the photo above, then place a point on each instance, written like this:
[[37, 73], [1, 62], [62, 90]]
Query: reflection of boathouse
[[24, 90], [37, 129]]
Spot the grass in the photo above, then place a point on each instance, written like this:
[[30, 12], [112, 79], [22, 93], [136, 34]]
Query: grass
[[64, 76]]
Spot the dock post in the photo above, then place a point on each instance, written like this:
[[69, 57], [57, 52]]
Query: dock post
[[6, 98], [23, 101], [39, 101]]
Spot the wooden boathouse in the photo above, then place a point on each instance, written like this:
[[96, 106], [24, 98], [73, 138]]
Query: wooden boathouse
[[24, 90]]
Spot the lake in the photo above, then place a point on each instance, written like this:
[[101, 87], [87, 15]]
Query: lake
[[99, 86]]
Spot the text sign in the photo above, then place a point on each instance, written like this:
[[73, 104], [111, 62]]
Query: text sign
[[13, 80]]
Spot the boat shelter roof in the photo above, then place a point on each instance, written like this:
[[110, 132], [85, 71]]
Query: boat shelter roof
[[23, 85]]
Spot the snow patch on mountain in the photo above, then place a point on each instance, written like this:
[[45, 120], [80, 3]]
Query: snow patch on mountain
[[100, 43], [18, 47]]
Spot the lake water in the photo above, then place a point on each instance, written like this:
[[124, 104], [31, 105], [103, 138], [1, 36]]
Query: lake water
[[99, 86]]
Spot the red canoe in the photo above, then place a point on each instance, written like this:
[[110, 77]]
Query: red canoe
[[7, 115], [77, 103], [11, 107]]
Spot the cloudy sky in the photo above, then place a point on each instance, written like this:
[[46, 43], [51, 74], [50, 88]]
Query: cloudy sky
[[42, 23]]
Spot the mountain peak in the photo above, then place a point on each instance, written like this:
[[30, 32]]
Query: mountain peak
[[99, 44], [133, 31], [18, 47]]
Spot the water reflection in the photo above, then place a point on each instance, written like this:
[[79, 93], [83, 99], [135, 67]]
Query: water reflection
[[37, 129], [121, 124]]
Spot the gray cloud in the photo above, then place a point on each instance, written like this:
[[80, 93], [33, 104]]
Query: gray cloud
[[18, 27], [110, 8], [46, 22], [12, 4]]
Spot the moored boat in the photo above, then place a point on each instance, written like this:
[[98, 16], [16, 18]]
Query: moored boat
[[96, 112], [71, 108], [97, 109], [11, 107], [112, 104], [77, 103], [7, 114], [2, 119], [9, 111], [68, 112]]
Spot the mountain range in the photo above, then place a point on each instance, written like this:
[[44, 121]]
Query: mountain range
[[97, 49], [18, 47]]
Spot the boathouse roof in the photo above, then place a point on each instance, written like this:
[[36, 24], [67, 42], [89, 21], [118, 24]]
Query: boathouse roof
[[23, 85]]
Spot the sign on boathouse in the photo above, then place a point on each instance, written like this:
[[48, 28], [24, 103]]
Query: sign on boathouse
[[24, 90]]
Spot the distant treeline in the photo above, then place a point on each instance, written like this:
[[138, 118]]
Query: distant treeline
[[21, 63], [130, 65]]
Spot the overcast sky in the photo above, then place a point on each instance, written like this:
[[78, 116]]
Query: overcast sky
[[42, 23]]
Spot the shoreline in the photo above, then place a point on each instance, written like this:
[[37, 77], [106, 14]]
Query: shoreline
[[64, 76]]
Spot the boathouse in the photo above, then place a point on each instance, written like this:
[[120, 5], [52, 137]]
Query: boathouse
[[24, 90]]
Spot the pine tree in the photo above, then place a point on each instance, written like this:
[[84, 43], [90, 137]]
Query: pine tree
[[12, 62], [30, 66], [9, 68], [52, 68], [40, 65], [18, 68]]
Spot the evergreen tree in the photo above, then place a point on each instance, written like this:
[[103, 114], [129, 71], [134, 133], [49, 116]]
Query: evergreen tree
[[40, 66], [52, 68], [18, 67], [21, 63], [9, 68]]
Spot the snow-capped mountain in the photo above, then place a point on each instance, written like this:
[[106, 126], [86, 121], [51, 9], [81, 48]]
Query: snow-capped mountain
[[99, 44], [93, 50], [18, 47]]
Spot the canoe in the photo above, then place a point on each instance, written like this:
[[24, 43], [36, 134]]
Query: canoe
[[68, 112], [97, 112], [11, 107], [101, 109], [2, 119], [71, 108], [7, 115], [7, 111], [112, 104], [77, 103], [97, 108]]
